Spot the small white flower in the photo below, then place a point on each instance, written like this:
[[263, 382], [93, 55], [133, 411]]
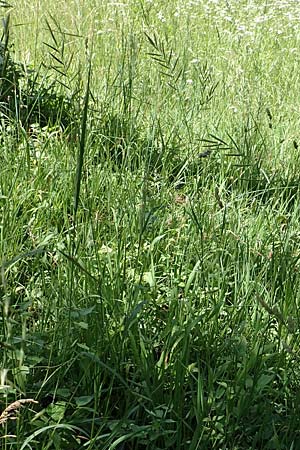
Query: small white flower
[[105, 249], [241, 28], [161, 17], [233, 108]]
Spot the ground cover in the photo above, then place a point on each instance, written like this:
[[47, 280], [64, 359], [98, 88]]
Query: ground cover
[[149, 225]]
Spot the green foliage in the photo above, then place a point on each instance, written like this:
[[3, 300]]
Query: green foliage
[[27, 97], [149, 276]]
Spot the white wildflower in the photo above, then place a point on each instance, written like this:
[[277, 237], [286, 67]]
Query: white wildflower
[[161, 17]]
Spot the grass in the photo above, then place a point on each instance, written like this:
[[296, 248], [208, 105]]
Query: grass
[[150, 241]]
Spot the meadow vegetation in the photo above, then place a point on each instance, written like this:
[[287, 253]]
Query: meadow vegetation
[[149, 225]]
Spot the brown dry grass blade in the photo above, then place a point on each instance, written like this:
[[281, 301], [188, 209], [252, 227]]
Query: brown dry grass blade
[[8, 412]]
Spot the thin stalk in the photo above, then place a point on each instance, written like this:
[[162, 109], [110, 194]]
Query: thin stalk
[[82, 142]]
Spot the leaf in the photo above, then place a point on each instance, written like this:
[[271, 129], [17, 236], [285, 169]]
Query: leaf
[[49, 427], [133, 315], [216, 142], [34, 252], [63, 392], [82, 312], [4, 4], [152, 40], [51, 46], [57, 410], [51, 32], [82, 325], [192, 277], [156, 240], [59, 61], [149, 278], [264, 380], [82, 142], [77, 264], [83, 400], [83, 347]]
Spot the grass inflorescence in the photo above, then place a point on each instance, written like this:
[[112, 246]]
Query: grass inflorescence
[[149, 225]]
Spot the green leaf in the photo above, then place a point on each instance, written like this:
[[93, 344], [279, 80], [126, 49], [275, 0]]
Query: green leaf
[[49, 427], [192, 276], [63, 392], [83, 400], [264, 380], [57, 410], [82, 325], [149, 278]]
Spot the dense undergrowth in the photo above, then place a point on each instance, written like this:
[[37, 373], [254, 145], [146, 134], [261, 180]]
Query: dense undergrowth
[[149, 238]]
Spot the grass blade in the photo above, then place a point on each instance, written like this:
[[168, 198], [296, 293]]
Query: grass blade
[[82, 141]]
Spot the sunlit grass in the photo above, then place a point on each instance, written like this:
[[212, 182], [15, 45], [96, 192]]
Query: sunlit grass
[[149, 254]]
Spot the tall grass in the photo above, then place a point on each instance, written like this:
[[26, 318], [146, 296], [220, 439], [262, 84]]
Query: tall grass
[[149, 227]]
